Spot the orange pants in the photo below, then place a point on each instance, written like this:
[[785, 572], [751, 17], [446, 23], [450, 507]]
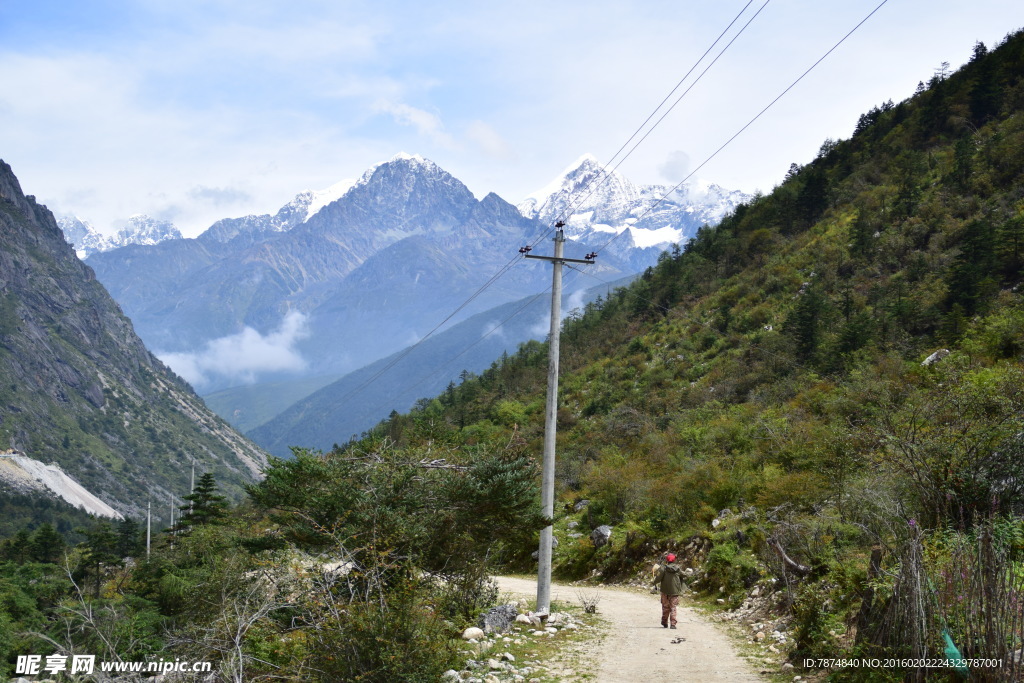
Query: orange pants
[[669, 603]]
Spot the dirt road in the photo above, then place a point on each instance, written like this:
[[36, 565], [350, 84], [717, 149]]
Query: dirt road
[[637, 647]]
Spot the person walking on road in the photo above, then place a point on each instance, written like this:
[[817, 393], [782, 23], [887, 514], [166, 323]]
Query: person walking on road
[[670, 583]]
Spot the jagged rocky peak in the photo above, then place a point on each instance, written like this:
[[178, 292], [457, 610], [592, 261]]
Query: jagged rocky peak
[[138, 229], [583, 194], [408, 172], [143, 229], [408, 194], [592, 199], [81, 234]]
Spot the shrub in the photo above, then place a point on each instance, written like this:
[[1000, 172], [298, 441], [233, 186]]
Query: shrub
[[729, 567]]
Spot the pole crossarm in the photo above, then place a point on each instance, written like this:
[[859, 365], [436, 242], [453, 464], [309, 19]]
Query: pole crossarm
[[560, 260]]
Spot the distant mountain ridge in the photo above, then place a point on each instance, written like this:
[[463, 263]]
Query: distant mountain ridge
[[369, 264], [369, 273], [360, 400]]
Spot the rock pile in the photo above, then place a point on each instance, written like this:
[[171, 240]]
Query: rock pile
[[755, 615], [491, 662]]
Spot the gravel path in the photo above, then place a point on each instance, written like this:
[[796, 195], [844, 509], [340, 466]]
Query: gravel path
[[637, 647]]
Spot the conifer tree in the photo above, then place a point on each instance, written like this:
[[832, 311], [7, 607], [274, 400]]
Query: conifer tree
[[205, 504], [129, 537], [100, 550], [47, 544]]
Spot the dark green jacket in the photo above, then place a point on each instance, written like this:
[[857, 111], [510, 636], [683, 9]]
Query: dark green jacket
[[668, 580]]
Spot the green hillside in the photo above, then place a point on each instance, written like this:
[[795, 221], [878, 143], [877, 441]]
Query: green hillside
[[777, 368], [780, 354]]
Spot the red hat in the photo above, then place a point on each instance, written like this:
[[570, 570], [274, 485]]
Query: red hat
[[670, 557]]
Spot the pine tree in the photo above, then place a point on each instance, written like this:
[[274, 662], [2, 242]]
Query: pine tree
[[47, 545], [129, 538], [803, 322], [206, 505], [100, 551]]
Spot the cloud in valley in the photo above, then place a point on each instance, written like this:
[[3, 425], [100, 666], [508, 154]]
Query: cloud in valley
[[244, 356]]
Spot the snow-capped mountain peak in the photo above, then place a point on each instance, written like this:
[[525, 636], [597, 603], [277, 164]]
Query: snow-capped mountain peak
[[584, 195], [308, 202], [139, 229], [592, 199], [82, 235], [143, 229]]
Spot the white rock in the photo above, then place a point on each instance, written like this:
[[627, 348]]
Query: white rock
[[508, 657], [935, 357], [472, 633], [523, 619]]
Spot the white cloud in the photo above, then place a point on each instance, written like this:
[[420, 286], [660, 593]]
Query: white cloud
[[242, 357], [494, 329], [570, 303], [676, 166], [219, 196], [425, 123]]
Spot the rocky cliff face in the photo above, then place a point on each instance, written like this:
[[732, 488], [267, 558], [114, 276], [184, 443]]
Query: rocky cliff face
[[79, 388]]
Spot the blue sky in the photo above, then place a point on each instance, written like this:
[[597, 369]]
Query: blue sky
[[198, 110]]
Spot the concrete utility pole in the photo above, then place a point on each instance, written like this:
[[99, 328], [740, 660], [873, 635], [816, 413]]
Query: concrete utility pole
[[547, 491]]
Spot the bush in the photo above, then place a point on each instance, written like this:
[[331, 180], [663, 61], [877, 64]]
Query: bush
[[729, 567], [403, 640]]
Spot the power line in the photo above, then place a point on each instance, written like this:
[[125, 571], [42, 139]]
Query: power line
[[750, 122], [466, 350], [608, 174], [515, 259]]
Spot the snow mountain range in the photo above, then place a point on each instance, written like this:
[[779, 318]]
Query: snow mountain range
[[338, 279], [139, 229], [596, 204]]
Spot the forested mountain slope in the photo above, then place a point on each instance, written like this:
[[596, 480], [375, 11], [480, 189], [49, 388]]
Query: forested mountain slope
[[762, 361], [791, 365]]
